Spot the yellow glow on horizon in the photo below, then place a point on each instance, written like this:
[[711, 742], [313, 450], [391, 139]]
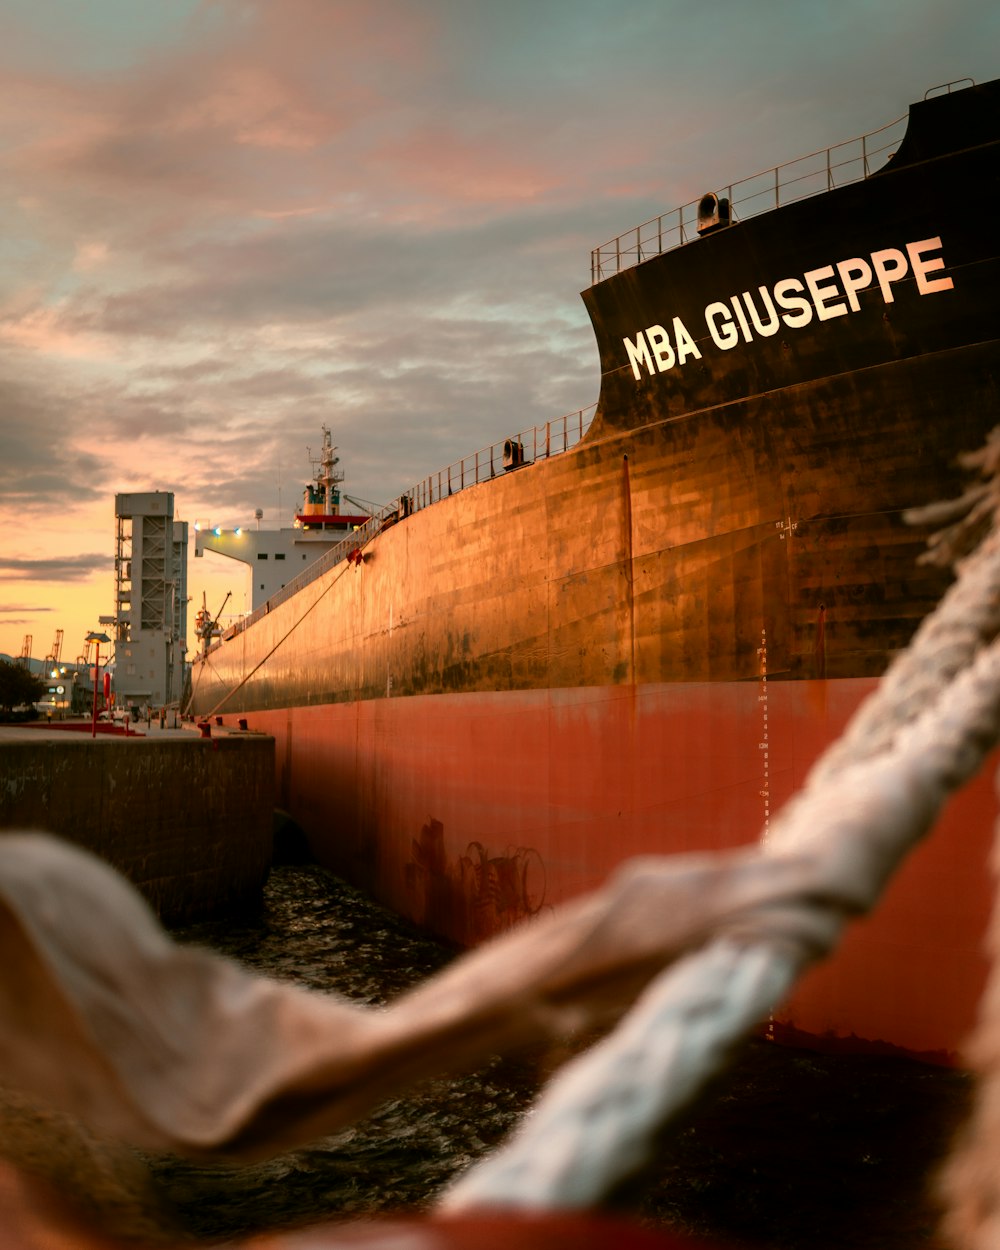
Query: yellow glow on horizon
[[39, 608]]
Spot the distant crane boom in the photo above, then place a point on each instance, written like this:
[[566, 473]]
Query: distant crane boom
[[52, 659]]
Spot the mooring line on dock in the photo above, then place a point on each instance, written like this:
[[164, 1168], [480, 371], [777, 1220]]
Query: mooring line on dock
[[352, 559]]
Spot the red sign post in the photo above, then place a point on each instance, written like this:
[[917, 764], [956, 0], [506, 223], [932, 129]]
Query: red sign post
[[97, 639]]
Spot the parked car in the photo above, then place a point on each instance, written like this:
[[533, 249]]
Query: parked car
[[116, 714]]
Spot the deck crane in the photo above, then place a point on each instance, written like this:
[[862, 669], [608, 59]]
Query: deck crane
[[206, 626]]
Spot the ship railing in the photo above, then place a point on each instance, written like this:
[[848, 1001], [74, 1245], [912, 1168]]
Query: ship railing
[[515, 452], [806, 176], [538, 443]]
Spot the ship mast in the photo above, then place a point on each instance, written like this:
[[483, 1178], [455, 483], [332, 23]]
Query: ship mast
[[326, 476]]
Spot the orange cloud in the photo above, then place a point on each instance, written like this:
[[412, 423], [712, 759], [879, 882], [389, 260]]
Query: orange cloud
[[43, 330]]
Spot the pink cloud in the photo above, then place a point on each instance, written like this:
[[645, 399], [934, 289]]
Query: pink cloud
[[441, 161], [198, 124], [278, 110], [44, 115], [43, 330], [253, 105]]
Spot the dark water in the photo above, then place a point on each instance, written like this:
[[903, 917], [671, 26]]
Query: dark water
[[791, 1149], [317, 932]]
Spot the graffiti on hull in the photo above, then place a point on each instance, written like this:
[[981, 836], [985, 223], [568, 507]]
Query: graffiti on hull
[[477, 895]]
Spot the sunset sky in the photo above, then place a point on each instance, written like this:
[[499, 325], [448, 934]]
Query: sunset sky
[[226, 223]]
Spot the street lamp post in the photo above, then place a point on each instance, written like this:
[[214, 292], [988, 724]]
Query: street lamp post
[[97, 639]]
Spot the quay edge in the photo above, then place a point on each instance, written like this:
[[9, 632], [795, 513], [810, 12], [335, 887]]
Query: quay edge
[[187, 820]]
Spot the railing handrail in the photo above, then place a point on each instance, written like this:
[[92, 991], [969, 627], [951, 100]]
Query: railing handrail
[[551, 439], [679, 226]]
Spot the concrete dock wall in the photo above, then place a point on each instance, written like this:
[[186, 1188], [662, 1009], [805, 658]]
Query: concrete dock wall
[[188, 820]]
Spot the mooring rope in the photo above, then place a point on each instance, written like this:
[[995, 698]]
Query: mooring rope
[[347, 563], [596, 1121], [970, 1183]]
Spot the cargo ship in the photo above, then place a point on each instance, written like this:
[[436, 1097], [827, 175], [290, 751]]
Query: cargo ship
[[632, 631]]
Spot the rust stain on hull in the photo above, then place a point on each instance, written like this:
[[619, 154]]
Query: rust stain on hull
[[557, 782], [476, 896]]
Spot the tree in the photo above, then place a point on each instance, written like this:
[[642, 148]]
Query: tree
[[17, 686]]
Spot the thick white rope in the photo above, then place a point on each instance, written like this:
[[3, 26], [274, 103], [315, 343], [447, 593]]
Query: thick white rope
[[970, 1183], [595, 1121]]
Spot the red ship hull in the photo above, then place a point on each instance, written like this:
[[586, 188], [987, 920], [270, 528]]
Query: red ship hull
[[582, 779]]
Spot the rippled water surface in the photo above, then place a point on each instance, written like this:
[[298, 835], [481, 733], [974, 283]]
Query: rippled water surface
[[792, 1150], [317, 932]]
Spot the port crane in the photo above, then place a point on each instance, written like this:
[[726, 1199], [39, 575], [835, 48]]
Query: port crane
[[52, 659]]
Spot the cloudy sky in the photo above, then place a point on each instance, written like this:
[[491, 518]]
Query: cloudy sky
[[224, 223]]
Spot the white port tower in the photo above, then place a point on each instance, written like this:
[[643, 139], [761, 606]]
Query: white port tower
[[150, 618]]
